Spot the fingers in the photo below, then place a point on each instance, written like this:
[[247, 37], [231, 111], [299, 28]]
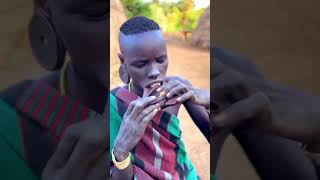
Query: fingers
[[185, 97], [86, 151], [130, 108], [147, 118], [241, 111], [176, 90], [147, 111], [140, 104], [64, 150], [224, 85], [164, 89]]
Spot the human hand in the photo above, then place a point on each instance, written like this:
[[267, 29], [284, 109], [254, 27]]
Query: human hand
[[184, 91], [83, 152], [134, 123], [238, 98]]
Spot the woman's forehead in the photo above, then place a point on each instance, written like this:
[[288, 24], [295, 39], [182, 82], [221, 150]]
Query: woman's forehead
[[139, 43]]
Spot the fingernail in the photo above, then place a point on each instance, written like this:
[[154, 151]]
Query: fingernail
[[153, 97], [168, 95], [178, 99], [158, 89], [162, 93]]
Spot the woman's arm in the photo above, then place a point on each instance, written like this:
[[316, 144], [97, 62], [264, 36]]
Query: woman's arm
[[124, 174], [200, 117], [280, 162], [132, 128], [196, 101], [279, 110]]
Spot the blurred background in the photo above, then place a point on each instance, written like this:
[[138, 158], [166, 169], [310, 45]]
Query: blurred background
[[282, 39], [16, 60], [186, 25]]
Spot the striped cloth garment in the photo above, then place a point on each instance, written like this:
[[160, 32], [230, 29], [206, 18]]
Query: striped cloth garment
[[160, 154]]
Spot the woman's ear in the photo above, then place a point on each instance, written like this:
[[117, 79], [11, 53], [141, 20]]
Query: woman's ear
[[121, 58]]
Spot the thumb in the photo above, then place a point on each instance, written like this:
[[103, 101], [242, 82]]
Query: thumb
[[241, 111]]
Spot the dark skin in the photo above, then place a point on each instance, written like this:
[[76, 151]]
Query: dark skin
[[83, 151], [83, 26], [250, 101], [278, 108], [145, 57]]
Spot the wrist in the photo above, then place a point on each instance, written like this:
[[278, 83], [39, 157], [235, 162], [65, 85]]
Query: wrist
[[120, 154]]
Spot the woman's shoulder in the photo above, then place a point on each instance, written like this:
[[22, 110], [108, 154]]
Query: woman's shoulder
[[114, 113], [12, 93], [113, 100]]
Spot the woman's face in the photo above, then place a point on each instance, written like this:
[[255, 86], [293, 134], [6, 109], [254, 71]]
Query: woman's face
[[84, 27], [145, 57]]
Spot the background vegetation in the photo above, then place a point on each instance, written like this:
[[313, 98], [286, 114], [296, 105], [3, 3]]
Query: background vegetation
[[172, 16]]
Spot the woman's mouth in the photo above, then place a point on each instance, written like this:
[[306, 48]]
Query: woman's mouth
[[154, 85], [151, 89]]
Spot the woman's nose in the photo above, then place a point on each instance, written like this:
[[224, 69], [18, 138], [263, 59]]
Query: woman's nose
[[154, 72]]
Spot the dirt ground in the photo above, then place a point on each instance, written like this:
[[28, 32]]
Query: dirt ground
[[194, 65], [282, 37]]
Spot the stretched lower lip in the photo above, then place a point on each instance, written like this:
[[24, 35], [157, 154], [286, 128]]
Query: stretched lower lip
[[154, 85]]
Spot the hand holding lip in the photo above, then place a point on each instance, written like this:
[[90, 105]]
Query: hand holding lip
[[134, 123], [82, 152], [149, 91], [182, 91], [163, 101]]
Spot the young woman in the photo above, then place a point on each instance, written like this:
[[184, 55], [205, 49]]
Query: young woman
[[146, 139]]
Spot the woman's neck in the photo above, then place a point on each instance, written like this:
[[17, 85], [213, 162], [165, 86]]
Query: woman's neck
[[136, 90], [89, 93]]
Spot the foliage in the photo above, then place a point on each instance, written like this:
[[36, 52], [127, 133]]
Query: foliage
[[180, 16]]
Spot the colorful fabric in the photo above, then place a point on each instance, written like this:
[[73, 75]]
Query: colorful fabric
[[160, 154], [40, 106], [51, 109], [13, 165]]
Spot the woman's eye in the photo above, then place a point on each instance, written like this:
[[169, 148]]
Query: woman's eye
[[140, 65], [162, 60]]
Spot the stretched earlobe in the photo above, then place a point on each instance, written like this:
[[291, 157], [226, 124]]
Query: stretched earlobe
[[47, 46], [124, 75]]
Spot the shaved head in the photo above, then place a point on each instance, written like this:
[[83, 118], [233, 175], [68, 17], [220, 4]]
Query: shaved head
[[143, 52], [138, 24]]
